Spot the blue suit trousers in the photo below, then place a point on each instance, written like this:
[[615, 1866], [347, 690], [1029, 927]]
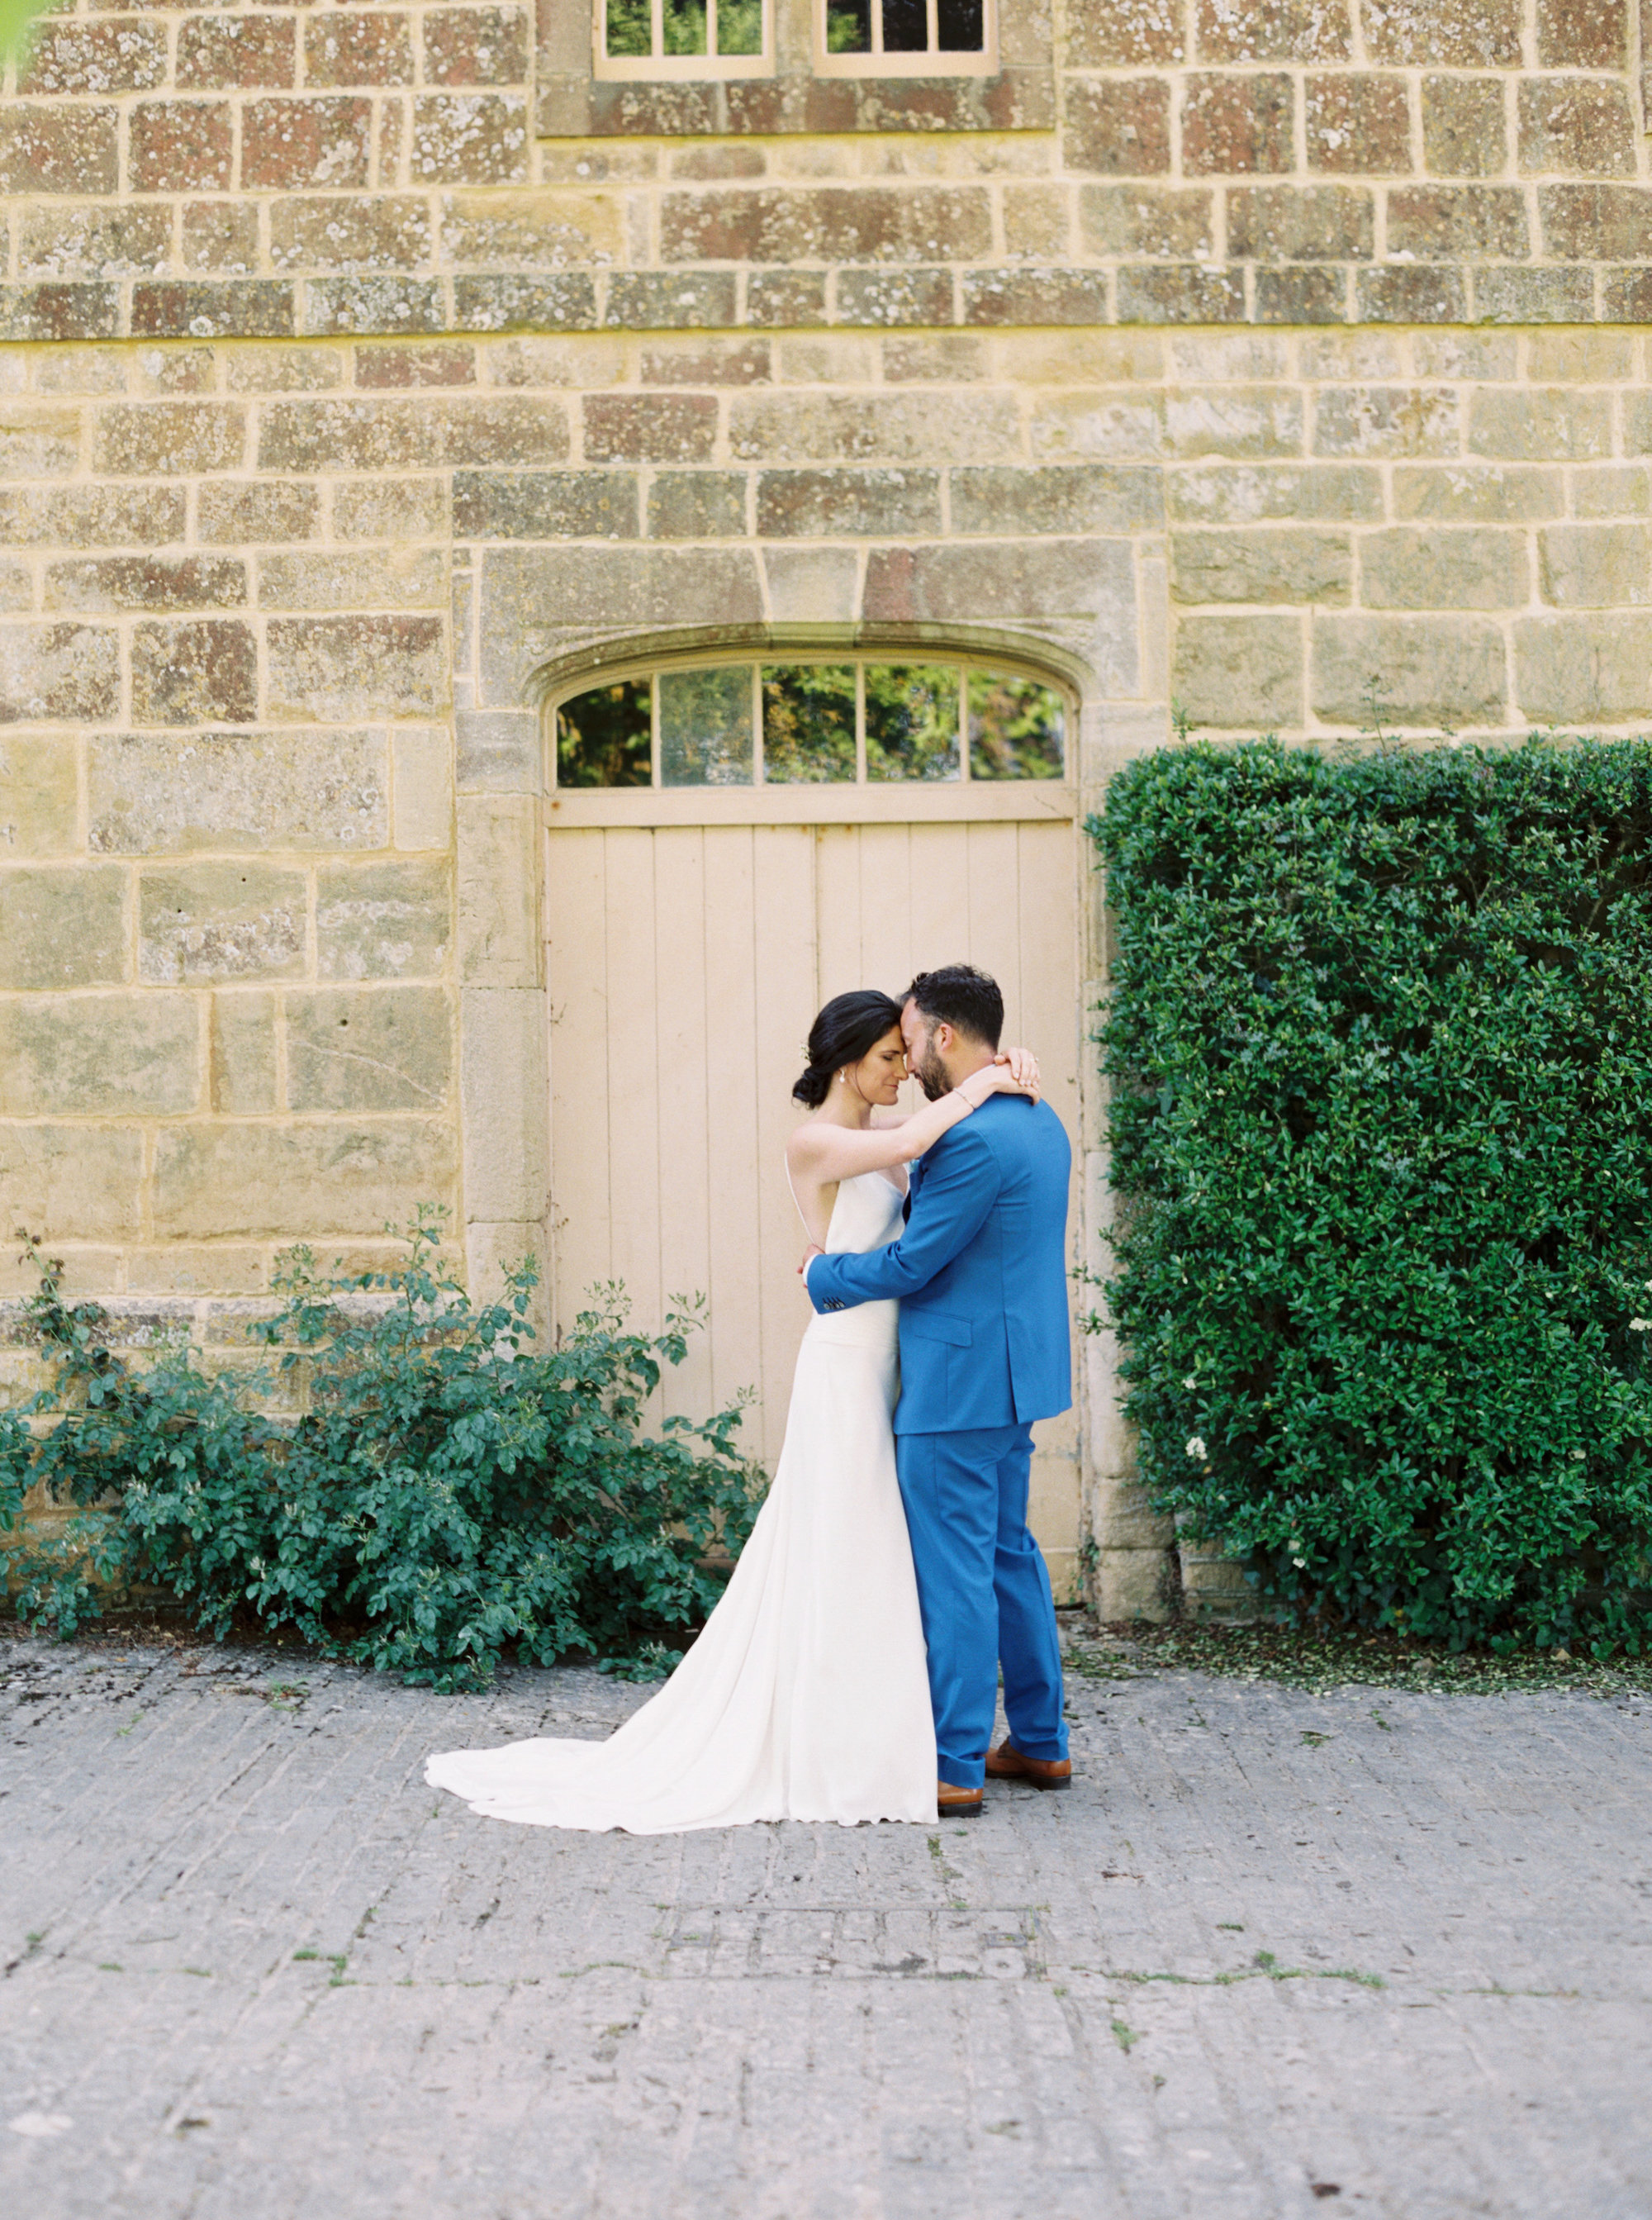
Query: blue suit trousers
[[985, 1595]]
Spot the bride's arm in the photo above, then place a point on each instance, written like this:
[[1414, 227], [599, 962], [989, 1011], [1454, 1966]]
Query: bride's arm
[[835, 1152]]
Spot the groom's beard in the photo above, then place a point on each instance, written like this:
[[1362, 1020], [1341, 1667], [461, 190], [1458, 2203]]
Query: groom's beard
[[931, 1074]]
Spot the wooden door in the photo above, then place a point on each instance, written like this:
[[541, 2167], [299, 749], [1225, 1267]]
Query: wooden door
[[685, 965]]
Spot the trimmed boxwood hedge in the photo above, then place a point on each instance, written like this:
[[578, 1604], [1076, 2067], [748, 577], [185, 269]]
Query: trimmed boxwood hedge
[[1380, 1041]]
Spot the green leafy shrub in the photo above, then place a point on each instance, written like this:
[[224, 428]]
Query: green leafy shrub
[[447, 1492], [1381, 1047]]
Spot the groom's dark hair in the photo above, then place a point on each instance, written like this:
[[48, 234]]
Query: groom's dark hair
[[960, 996]]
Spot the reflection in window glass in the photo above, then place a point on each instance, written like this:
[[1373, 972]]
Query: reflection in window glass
[[848, 27], [629, 30], [603, 737], [912, 721], [739, 27], [906, 27], [960, 26], [684, 26], [705, 728], [1016, 727], [808, 724]]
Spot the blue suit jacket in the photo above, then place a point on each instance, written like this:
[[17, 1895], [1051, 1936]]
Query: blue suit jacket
[[980, 1272]]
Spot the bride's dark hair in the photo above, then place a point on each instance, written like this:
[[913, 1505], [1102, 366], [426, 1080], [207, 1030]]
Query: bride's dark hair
[[849, 1027]]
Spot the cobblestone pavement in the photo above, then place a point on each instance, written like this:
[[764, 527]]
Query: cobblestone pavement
[[1273, 1950]]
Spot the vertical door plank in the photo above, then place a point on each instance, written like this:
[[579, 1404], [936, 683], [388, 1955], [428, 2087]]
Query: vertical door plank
[[994, 898], [885, 950], [785, 968], [839, 908], [634, 1073], [938, 871], [734, 1260], [576, 986], [685, 1022]]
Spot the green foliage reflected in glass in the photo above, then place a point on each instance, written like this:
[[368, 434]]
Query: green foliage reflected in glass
[[848, 27], [684, 26], [630, 29], [705, 728], [1380, 1043], [739, 27], [808, 723], [1016, 727], [912, 721], [603, 738]]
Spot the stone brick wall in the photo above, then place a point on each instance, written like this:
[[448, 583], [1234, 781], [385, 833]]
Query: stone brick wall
[[1281, 357]]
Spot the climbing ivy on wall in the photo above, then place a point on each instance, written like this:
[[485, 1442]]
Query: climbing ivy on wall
[[1379, 1043]]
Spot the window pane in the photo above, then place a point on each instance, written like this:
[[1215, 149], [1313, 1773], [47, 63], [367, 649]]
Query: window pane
[[959, 26], [848, 27], [906, 27], [808, 724], [629, 32], [739, 27], [685, 26], [705, 728], [1016, 727], [912, 721], [603, 737]]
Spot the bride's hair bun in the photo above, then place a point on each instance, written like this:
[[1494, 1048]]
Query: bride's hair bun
[[849, 1027]]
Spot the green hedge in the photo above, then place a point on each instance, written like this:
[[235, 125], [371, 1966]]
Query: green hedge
[[1380, 1041]]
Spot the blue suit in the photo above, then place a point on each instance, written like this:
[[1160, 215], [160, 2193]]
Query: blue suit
[[981, 1273]]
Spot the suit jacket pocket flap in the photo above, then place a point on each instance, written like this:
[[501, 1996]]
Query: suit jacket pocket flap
[[936, 1325]]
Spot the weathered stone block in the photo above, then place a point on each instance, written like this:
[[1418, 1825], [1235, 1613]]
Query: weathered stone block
[[505, 1059], [650, 428], [1034, 296], [205, 310], [69, 1182], [1106, 426], [827, 223], [91, 515], [62, 928], [1441, 222], [697, 505], [1432, 672], [168, 438], [242, 1055], [884, 299], [1464, 129], [708, 362], [1180, 293], [1307, 295], [1577, 125], [1596, 223], [372, 302], [1117, 126], [385, 230], [298, 145], [179, 146], [1582, 34], [1540, 424], [1321, 493], [298, 1182], [383, 921], [97, 239], [1584, 671], [390, 508], [1472, 494], [1122, 33], [475, 46], [214, 921], [389, 578], [38, 797], [1358, 122], [1295, 223], [1151, 219], [151, 794], [1505, 296], [284, 369], [220, 235], [233, 512], [199, 672], [383, 1048], [827, 504], [225, 54], [353, 48], [1232, 125], [534, 599], [470, 138], [544, 505], [1081, 497], [55, 148], [539, 229], [1449, 34], [107, 57], [1622, 491], [38, 443], [130, 1054], [1273, 31], [777, 299], [813, 585], [59, 312], [852, 427], [1241, 421], [345, 667], [423, 772], [147, 582], [1386, 421], [345, 435], [1411, 296], [1285, 566], [505, 428], [1409, 568], [1240, 673], [672, 300], [499, 751], [58, 673], [1017, 582], [1597, 566], [498, 891]]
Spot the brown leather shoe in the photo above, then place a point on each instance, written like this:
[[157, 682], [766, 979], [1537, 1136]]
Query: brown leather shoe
[[952, 1802], [1008, 1763]]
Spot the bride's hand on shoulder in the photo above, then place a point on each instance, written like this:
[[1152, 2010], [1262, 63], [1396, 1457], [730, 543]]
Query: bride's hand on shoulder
[[1013, 1071]]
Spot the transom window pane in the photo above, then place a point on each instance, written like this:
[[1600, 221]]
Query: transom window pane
[[905, 27], [812, 724], [676, 31]]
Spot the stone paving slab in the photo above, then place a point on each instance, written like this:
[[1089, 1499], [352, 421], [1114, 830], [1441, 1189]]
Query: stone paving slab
[[1275, 1954]]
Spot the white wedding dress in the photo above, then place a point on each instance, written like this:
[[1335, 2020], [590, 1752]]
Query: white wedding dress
[[807, 1696]]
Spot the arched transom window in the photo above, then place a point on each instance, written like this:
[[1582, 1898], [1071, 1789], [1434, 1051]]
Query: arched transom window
[[847, 720]]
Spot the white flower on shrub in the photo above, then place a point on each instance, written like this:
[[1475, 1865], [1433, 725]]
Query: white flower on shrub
[[1196, 1447], [1640, 1326]]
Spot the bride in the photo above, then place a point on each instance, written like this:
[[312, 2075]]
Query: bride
[[805, 1696]]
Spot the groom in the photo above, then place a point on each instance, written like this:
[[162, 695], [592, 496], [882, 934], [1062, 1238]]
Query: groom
[[980, 1272]]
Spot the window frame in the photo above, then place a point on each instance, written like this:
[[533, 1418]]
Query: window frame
[[933, 62], [666, 69]]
